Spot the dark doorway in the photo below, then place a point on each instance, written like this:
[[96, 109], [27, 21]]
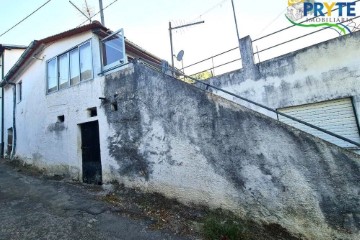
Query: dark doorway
[[91, 160], [10, 141]]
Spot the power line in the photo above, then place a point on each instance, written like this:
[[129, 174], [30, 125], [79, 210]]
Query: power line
[[99, 12], [211, 9], [25, 18], [280, 14]]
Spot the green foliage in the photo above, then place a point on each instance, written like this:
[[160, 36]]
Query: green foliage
[[199, 76], [216, 228]]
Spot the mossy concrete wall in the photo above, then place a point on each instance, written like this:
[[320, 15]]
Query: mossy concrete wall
[[170, 137]]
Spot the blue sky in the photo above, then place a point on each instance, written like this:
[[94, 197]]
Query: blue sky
[[146, 22]]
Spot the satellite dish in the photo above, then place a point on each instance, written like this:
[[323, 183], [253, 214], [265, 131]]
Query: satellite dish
[[180, 55]]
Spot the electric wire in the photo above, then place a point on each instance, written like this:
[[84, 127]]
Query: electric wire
[[211, 9], [25, 18], [283, 29], [99, 12]]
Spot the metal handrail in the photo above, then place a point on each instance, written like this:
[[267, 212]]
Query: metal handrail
[[260, 105], [219, 54], [235, 60], [268, 35], [305, 35]]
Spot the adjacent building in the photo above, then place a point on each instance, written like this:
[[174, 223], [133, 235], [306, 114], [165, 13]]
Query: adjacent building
[[9, 54]]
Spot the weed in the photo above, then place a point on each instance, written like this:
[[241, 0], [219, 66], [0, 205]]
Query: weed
[[216, 228]]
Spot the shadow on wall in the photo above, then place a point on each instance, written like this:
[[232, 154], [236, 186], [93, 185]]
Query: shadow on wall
[[174, 138]]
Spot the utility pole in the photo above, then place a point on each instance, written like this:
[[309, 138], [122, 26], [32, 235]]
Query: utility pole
[[101, 13], [172, 50], [237, 30], [171, 40]]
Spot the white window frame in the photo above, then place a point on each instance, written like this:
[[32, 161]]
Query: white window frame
[[58, 69], [47, 75], [118, 62], [91, 61], [69, 69]]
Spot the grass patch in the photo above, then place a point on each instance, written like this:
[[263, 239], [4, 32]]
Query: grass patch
[[221, 228]]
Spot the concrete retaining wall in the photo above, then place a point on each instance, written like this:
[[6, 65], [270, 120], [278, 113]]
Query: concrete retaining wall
[[171, 137]]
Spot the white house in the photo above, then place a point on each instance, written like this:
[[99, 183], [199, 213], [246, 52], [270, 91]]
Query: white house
[[53, 93], [9, 54], [149, 130]]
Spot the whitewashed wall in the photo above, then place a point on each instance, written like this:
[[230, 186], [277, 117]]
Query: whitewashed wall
[[40, 139], [10, 58]]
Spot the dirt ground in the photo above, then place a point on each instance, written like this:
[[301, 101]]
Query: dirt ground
[[141, 215]]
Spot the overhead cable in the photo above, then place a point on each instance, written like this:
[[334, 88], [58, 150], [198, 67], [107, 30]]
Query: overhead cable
[[25, 18]]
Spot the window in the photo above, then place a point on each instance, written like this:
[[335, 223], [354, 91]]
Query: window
[[61, 119], [113, 50], [70, 68], [85, 62], [114, 106], [63, 71], [52, 75], [74, 67], [92, 112], [1, 67], [19, 91], [10, 141]]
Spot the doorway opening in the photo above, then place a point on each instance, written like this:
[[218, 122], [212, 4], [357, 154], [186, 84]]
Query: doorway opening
[[9, 141], [91, 159]]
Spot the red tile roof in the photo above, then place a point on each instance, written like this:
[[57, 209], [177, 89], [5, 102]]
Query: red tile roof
[[94, 26]]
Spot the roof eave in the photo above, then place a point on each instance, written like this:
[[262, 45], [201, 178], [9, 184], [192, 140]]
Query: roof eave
[[24, 56]]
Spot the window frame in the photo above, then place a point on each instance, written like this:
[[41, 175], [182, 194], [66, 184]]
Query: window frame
[[58, 70], [78, 60], [67, 52], [91, 61], [20, 91], [118, 62], [47, 76]]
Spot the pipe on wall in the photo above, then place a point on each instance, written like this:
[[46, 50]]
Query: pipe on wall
[[2, 146], [12, 155], [13, 150]]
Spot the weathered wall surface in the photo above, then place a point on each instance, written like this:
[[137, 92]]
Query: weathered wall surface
[[325, 71], [173, 138], [10, 58], [41, 139]]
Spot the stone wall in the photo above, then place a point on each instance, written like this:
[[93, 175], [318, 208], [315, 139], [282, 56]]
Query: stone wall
[[170, 137]]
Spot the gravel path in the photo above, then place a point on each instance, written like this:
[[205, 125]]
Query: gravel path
[[38, 208]]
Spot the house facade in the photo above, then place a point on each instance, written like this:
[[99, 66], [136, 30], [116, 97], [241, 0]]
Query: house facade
[[53, 96], [9, 54], [75, 107]]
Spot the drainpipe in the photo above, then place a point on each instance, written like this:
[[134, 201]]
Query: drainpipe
[[5, 81], [14, 122], [2, 147]]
